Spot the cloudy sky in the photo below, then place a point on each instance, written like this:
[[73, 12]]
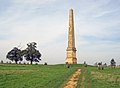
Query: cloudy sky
[[97, 28]]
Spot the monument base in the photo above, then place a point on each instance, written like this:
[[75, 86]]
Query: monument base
[[71, 60]]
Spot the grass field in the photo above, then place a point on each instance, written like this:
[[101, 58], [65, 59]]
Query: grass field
[[91, 77], [34, 76], [55, 76]]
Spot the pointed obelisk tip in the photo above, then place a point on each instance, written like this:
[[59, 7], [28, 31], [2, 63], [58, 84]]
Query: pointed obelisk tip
[[71, 9]]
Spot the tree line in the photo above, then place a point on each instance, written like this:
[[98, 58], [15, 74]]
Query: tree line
[[30, 54]]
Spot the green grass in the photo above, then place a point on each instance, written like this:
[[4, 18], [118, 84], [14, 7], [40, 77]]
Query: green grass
[[34, 76], [55, 76], [93, 78]]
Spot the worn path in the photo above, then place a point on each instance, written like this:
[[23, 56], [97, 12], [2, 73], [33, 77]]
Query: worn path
[[72, 81]]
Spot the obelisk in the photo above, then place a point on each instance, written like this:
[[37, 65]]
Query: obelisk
[[71, 50]]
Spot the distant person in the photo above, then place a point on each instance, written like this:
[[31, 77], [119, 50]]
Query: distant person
[[1, 62], [85, 65], [105, 65], [45, 63], [100, 66], [67, 65], [113, 63]]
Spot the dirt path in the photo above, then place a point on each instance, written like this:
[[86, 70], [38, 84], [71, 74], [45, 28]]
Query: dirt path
[[72, 82]]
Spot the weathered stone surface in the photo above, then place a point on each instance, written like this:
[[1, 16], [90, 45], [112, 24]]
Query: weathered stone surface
[[71, 50]]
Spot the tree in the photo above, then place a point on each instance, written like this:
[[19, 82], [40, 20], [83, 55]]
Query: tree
[[113, 63], [14, 55], [31, 53]]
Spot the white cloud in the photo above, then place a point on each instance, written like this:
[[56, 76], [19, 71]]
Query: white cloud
[[45, 22]]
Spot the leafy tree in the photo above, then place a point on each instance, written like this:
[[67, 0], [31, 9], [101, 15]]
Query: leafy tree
[[31, 53], [113, 63], [14, 55]]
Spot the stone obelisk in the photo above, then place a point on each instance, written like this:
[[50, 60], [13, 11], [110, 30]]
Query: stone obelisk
[[71, 50]]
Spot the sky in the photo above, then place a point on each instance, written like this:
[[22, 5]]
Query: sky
[[97, 28]]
